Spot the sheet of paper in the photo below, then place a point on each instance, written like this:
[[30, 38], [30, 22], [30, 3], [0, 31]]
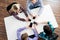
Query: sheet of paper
[[12, 24]]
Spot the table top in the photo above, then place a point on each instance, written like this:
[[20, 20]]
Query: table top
[[13, 24]]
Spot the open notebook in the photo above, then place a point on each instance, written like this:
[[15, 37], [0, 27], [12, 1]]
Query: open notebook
[[12, 24]]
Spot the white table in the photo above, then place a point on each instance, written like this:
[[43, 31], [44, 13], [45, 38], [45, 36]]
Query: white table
[[12, 24]]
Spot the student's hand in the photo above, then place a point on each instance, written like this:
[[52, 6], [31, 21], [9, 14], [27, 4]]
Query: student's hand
[[27, 19], [31, 15], [34, 25], [28, 27], [35, 16]]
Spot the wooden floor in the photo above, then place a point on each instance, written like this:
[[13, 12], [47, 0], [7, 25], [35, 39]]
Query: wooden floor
[[55, 4]]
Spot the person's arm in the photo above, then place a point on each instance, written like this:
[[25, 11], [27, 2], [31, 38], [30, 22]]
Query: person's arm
[[35, 32], [19, 33], [41, 3], [25, 12], [28, 9], [41, 7], [42, 22], [15, 15]]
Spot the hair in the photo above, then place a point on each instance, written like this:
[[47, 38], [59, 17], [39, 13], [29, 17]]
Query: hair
[[15, 8], [24, 36], [47, 30], [9, 6]]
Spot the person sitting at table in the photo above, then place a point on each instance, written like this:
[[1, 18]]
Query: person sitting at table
[[15, 8], [25, 35], [48, 33], [31, 4]]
